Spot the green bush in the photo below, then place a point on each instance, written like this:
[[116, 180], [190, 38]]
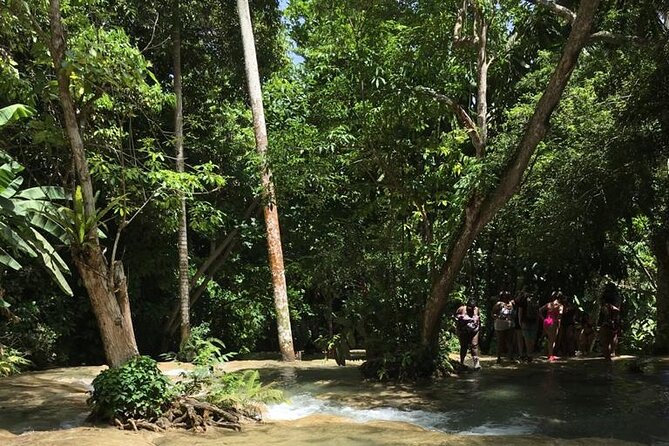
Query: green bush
[[137, 389]]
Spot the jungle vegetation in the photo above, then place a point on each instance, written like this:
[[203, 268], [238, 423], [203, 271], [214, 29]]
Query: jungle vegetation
[[416, 153]]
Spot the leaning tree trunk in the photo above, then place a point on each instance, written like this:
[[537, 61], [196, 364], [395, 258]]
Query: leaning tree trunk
[[270, 209], [108, 296], [184, 299], [481, 209], [660, 248]]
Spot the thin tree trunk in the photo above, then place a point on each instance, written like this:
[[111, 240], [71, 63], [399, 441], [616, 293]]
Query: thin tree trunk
[[208, 269], [184, 300], [482, 82], [480, 210], [269, 204], [660, 247], [113, 317]]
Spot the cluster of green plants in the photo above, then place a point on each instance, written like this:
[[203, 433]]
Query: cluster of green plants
[[137, 389], [12, 361], [241, 391], [202, 349]]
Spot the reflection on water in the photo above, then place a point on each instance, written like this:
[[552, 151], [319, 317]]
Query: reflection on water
[[592, 402]]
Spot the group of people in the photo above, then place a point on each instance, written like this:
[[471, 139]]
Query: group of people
[[521, 322]]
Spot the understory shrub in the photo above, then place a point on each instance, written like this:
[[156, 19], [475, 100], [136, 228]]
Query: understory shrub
[[202, 349], [11, 361], [135, 390], [242, 391]]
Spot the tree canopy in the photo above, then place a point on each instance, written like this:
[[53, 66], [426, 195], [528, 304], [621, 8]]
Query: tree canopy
[[423, 152]]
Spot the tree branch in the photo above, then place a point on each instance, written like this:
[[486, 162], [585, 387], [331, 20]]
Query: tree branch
[[559, 10], [460, 113], [617, 39], [153, 34]]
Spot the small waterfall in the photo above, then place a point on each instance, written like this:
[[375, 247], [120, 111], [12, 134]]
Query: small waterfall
[[303, 405]]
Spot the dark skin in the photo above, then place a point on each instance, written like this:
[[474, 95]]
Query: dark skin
[[468, 340]]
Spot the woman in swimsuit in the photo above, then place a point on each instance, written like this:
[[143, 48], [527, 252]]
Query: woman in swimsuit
[[609, 330], [552, 313], [468, 318]]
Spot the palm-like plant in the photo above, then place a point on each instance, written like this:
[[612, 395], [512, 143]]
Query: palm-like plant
[[23, 222]]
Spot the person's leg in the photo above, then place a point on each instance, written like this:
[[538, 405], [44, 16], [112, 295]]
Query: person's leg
[[520, 342], [605, 341], [571, 336], [529, 335], [614, 343], [510, 347], [500, 344], [552, 337], [583, 343], [474, 346], [464, 345]]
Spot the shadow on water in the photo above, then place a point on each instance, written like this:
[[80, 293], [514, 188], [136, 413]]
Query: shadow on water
[[47, 400]]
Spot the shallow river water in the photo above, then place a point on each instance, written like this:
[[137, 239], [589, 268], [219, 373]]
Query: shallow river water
[[573, 402]]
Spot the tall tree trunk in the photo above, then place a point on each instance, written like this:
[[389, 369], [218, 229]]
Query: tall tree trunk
[[481, 209], [184, 302], [110, 308], [660, 248], [209, 268], [269, 201]]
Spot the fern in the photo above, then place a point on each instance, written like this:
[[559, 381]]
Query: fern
[[12, 361], [242, 391]]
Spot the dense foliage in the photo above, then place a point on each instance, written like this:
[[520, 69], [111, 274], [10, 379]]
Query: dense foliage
[[137, 389], [376, 172]]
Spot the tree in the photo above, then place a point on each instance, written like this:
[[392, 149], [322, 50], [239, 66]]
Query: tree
[[482, 207], [269, 196], [184, 283], [106, 284]]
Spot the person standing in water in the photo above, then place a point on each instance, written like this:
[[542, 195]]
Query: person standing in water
[[552, 313], [609, 321], [502, 313], [528, 314], [468, 319]]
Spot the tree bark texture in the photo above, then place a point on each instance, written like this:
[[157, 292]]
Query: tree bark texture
[[480, 210], [269, 203], [108, 299], [660, 247], [182, 243]]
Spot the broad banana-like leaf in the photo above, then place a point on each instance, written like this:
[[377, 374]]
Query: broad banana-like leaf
[[53, 263], [14, 112], [7, 260], [6, 206], [16, 241], [43, 193], [43, 222], [11, 188]]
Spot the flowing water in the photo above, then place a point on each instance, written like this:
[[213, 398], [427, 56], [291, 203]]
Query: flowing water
[[573, 402]]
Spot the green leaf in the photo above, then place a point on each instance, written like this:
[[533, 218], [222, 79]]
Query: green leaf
[[7, 260], [14, 112]]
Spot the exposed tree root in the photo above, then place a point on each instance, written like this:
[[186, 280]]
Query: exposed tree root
[[188, 413]]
